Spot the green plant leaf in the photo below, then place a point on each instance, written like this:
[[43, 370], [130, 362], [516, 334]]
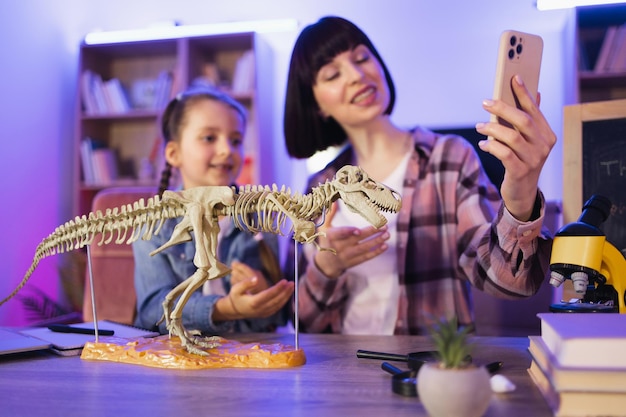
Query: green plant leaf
[[451, 342]]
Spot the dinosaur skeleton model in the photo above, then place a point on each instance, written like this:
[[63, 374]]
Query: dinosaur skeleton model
[[251, 208]]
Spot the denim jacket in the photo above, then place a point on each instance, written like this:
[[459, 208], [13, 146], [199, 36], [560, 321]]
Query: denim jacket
[[156, 276]]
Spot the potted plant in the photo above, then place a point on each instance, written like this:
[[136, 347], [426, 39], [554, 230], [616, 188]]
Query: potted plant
[[453, 386]]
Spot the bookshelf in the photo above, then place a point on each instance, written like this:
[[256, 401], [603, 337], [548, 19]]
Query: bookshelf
[[149, 74], [597, 82]]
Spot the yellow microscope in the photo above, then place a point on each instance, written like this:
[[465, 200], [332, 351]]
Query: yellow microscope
[[581, 252]]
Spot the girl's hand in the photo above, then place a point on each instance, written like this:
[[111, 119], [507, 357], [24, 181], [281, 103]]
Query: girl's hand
[[353, 246], [241, 272], [241, 303], [523, 149]]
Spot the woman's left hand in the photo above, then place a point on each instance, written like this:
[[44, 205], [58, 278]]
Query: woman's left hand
[[523, 149]]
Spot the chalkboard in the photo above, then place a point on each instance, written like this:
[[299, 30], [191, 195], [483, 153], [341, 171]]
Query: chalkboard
[[594, 152], [604, 166]]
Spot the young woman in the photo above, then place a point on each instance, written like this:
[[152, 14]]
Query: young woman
[[203, 131], [454, 228]]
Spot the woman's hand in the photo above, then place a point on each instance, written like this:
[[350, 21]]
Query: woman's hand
[[523, 149], [353, 246], [242, 303]]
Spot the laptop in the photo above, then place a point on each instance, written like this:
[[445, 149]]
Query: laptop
[[13, 342]]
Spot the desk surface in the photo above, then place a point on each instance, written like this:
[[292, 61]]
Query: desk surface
[[334, 382]]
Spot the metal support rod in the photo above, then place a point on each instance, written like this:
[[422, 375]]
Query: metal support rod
[[296, 322], [93, 294]]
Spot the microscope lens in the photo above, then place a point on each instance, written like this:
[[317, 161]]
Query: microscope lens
[[580, 281]]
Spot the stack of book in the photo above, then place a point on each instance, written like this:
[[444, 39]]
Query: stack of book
[[99, 163], [579, 363], [101, 97]]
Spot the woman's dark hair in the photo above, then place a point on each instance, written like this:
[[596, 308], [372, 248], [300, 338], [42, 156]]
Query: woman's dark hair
[[174, 114], [306, 131]]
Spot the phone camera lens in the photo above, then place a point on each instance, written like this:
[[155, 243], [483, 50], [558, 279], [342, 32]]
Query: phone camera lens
[[511, 53], [519, 49], [513, 40]]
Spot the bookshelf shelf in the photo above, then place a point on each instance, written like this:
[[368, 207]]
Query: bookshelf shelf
[[123, 117], [610, 78], [131, 114], [128, 182], [596, 83]]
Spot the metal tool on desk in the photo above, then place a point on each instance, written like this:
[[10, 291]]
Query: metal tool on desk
[[402, 382], [582, 253], [414, 360], [405, 382]]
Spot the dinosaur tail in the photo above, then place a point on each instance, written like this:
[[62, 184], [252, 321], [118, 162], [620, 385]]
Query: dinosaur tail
[[39, 255], [125, 224], [74, 234]]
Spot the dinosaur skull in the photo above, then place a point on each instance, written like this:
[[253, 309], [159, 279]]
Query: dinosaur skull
[[363, 195]]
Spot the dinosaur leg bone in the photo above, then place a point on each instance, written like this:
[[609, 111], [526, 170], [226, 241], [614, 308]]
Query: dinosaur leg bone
[[202, 221], [189, 339]]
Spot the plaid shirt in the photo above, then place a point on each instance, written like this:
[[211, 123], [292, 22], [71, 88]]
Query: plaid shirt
[[453, 231]]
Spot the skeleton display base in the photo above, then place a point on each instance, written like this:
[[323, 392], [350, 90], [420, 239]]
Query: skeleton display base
[[168, 352]]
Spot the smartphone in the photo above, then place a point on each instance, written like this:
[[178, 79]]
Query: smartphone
[[519, 53]]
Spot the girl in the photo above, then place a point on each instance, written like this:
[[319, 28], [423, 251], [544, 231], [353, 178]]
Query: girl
[[454, 229], [203, 131]]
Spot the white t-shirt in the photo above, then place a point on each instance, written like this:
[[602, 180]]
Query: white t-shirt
[[372, 306], [216, 286]]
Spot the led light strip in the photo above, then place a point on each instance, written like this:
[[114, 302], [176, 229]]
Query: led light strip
[[173, 32], [567, 4]]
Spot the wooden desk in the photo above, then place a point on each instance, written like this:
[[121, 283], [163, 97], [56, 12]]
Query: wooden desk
[[334, 382]]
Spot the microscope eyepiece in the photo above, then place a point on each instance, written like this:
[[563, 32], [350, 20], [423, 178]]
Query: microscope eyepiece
[[596, 210]]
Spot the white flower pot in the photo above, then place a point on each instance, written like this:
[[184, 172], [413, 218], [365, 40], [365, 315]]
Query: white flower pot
[[453, 392]]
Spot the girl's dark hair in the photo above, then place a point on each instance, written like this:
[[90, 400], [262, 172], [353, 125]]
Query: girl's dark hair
[[171, 120], [174, 114], [306, 131]]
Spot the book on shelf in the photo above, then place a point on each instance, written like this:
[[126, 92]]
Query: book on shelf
[[585, 340], [90, 105], [578, 403], [612, 53], [93, 95], [163, 89], [102, 100], [618, 61], [607, 49], [99, 163], [116, 97], [85, 162], [104, 166], [87, 147], [573, 378], [243, 77], [102, 97]]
